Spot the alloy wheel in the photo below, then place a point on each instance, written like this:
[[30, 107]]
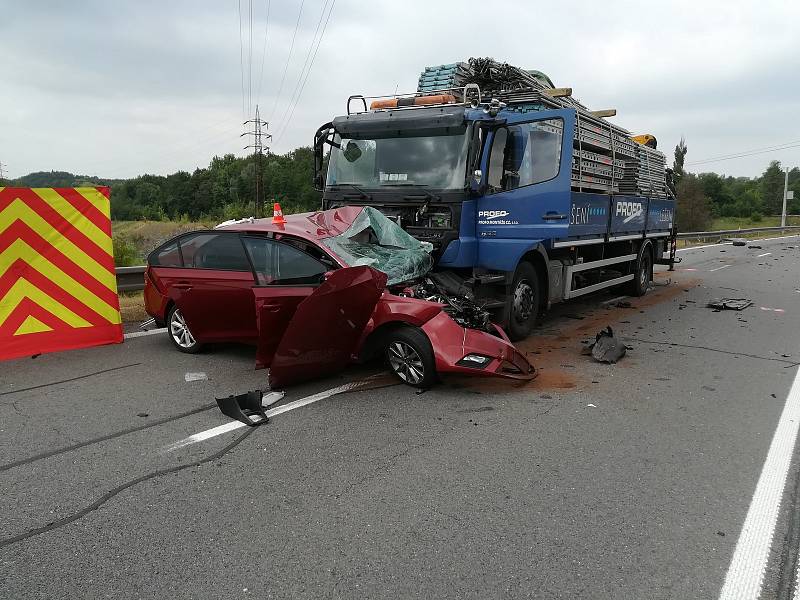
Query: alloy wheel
[[406, 362], [179, 330]]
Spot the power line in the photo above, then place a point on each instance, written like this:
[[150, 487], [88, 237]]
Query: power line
[[742, 154], [288, 58], [264, 53], [305, 62], [241, 56], [308, 72], [250, 63]]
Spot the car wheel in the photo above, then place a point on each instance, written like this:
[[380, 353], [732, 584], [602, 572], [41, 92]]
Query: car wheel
[[179, 333], [642, 275], [410, 357], [525, 301]]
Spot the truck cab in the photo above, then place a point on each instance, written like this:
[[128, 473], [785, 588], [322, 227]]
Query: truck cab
[[517, 197]]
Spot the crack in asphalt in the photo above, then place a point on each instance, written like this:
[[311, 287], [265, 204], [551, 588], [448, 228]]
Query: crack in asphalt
[[710, 349], [102, 438], [113, 492], [42, 385]]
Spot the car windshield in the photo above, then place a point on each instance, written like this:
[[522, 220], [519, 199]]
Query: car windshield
[[435, 161], [377, 241]]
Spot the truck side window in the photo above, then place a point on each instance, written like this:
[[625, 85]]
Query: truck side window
[[531, 154], [496, 160]]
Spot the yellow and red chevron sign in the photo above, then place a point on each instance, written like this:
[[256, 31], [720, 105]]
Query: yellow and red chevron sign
[[58, 290]]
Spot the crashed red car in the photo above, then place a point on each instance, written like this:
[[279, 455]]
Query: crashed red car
[[319, 291]]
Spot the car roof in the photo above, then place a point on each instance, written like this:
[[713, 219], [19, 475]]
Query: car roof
[[315, 225]]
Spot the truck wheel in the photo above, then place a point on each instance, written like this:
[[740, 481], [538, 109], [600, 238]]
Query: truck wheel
[[525, 301], [410, 357], [642, 275]]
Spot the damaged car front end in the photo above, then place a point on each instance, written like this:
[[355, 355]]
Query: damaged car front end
[[421, 325]]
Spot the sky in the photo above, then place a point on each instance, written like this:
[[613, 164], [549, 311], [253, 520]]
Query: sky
[[118, 89]]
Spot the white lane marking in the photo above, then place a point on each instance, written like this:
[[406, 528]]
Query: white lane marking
[[765, 254], [613, 300], [718, 268], [136, 334], [215, 431], [746, 571], [704, 246], [777, 310]]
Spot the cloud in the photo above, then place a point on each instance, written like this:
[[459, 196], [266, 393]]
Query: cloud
[[118, 89]]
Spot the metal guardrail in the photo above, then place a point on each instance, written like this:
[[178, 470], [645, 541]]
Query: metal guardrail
[[696, 235], [131, 279]]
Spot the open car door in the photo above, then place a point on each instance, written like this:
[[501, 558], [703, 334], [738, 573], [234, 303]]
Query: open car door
[[322, 335]]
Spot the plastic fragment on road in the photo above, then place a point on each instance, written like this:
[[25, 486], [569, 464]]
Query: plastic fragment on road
[[606, 348], [246, 408], [590, 405], [729, 304], [195, 377]]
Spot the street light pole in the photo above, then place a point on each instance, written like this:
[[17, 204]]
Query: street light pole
[[785, 194]]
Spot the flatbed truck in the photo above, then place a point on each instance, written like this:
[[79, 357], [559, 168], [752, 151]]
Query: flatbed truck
[[527, 197]]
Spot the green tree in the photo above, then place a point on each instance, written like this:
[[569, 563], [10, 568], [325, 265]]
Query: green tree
[[772, 188], [693, 207], [680, 157]]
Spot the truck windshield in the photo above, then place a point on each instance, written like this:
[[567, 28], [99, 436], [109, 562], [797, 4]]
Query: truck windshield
[[434, 161]]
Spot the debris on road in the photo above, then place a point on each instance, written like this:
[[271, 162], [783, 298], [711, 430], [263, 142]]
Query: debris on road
[[729, 304], [195, 377], [738, 242], [246, 408], [754, 247], [606, 348]]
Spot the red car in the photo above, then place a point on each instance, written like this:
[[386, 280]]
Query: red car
[[319, 290]]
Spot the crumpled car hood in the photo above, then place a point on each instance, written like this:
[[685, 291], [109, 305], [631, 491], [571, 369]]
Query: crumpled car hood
[[375, 240]]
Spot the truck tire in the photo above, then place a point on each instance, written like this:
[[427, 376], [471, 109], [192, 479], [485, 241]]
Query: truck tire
[[410, 357], [643, 273], [525, 301]]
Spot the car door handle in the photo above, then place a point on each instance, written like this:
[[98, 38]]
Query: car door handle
[[273, 308], [183, 286], [553, 217]]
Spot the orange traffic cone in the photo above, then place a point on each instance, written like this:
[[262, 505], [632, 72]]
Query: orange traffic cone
[[277, 215]]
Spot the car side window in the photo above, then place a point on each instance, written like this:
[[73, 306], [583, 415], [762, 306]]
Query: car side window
[[222, 252], [168, 256], [527, 154], [278, 263]]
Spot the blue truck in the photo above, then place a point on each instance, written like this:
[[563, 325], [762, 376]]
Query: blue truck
[[527, 197]]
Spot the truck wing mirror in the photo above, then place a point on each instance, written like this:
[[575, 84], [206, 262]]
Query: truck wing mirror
[[320, 137]]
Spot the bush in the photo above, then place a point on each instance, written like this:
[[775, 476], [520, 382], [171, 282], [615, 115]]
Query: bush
[[756, 217], [125, 254]]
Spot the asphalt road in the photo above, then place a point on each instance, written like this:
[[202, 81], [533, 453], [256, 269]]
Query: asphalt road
[[595, 481]]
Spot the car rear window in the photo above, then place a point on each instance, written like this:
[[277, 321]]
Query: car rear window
[[223, 252], [169, 256]]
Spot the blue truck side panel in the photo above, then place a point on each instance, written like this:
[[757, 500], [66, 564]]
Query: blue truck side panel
[[628, 215], [588, 215], [660, 215]]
